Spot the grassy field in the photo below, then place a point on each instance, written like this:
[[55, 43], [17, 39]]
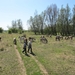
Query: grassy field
[[57, 57], [9, 64]]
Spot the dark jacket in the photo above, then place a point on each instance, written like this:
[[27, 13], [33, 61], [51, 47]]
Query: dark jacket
[[24, 45]]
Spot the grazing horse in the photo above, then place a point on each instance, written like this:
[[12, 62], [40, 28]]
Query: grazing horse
[[61, 37], [21, 39], [68, 37], [43, 39], [57, 38], [32, 38], [71, 37]]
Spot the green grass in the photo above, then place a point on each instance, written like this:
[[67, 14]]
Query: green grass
[[30, 65], [8, 59], [58, 57]]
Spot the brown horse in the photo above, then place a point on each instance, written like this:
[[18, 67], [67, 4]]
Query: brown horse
[[68, 37], [57, 38], [43, 39]]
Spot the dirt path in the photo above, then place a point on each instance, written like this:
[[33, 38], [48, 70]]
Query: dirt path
[[42, 68], [23, 70]]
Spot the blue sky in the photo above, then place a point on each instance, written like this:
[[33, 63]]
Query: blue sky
[[23, 9]]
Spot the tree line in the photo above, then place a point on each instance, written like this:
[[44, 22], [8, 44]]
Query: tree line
[[16, 27], [53, 21]]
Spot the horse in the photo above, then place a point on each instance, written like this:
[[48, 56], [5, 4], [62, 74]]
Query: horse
[[68, 37], [32, 38], [21, 39], [43, 39], [57, 38]]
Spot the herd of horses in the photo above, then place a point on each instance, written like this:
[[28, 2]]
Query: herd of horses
[[43, 38], [58, 37]]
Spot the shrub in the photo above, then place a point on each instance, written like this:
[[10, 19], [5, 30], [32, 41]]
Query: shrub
[[1, 30], [9, 31], [20, 31]]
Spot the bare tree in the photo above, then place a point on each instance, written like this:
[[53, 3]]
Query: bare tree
[[51, 14], [42, 21], [32, 25], [19, 24], [73, 20], [67, 17], [61, 21]]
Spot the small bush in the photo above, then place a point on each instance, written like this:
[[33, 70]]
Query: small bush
[[1, 30], [20, 31], [9, 31]]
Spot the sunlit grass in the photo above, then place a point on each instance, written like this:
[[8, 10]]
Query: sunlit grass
[[58, 57], [9, 64]]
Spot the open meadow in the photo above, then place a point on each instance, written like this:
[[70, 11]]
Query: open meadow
[[53, 58]]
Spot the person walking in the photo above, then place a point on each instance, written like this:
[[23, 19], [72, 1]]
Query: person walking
[[24, 46], [30, 45]]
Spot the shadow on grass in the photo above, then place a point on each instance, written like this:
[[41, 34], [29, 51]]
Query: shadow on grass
[[1, 49], [33, 54], [27, 55]]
